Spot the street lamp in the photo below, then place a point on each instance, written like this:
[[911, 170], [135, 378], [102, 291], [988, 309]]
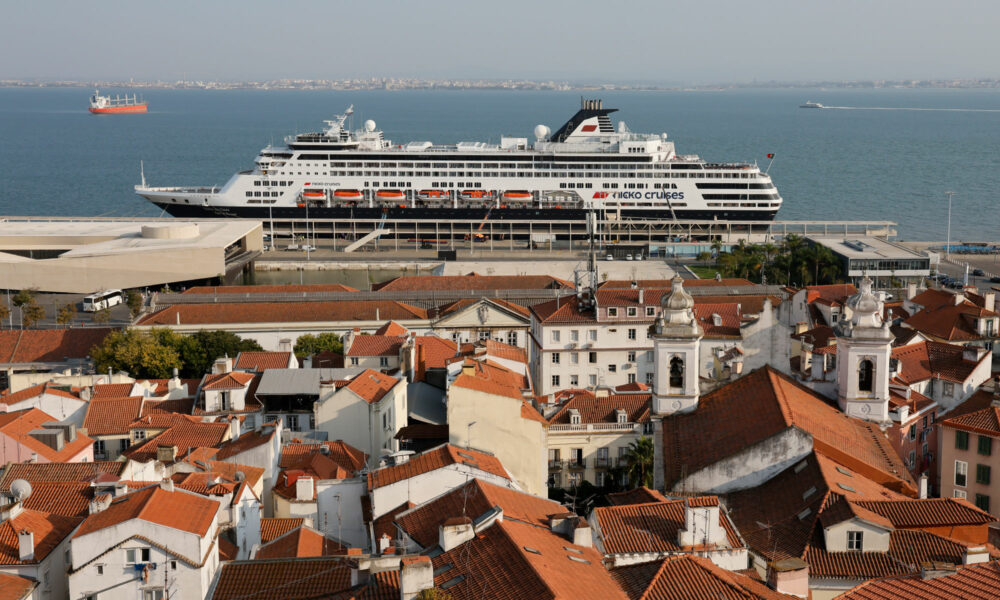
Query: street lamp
[[947, 248]]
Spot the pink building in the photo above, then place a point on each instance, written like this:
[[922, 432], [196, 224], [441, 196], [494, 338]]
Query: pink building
[[35, 436]]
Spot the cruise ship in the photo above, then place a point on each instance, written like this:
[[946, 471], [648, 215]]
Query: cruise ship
[[585, 165]]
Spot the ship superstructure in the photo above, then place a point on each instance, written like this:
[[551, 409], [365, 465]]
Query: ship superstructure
[[586, 164]]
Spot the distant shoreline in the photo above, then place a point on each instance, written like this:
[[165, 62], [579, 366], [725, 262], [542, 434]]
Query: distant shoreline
[[387, 84]]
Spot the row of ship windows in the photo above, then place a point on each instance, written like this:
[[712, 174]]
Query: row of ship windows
[[519, 165], [552, 175], [743, 205]]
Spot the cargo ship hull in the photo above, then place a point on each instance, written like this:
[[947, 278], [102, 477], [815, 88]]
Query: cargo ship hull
[[114, 110]]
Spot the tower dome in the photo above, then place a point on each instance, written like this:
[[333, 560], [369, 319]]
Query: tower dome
[[677, 314], [866, 309]]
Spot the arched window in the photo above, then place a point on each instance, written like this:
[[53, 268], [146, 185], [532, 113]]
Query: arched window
[[866, 371], [676, 372]]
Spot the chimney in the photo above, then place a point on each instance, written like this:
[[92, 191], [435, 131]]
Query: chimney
[[973, 353], [469, 368], [702, 525], [234, 427], [53, 438], [304, 488], [121, 488], [167, 484], [454, 532], [383, 543], [911, 290], [166, 454], [26, 545], [307, 362], [801, 327], [933, 569], [975, 555], [222, 365], [100, 502], [582, 534], [789, 576], [990, 301], [360, 567], [178, 314], [641, 295], [958, 298], [416, 574], [923, 486]]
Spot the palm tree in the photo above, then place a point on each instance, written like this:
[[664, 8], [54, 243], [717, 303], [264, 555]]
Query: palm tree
[[639, 462], [820, 255]]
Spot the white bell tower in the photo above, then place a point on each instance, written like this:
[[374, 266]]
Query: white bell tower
[[676, 343], [864, 345]]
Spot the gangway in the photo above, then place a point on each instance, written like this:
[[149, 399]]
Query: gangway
[[375, 233]]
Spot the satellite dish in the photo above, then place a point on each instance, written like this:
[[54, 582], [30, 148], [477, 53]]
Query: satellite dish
[[20, 489], [369, 126], [542, 131], [240, 476]]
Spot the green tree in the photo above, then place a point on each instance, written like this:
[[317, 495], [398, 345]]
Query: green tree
[[66, 314], [141, 354], [103, 316], [134, 302], [199, 350], [31, 314], [24, 297], [4, 312], [639, 462], [310, 344]]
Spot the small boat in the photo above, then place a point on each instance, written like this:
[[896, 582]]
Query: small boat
[[811, 105], [348, 194], [432, 194], [473, 194], [393, 194], [314, 194], [516, 195]]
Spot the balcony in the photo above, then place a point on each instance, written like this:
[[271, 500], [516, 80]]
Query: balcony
[[577, 464], [597, 427], [602, 462], [555, 465]]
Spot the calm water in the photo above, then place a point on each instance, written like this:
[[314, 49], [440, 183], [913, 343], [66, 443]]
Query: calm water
[[831, 164]]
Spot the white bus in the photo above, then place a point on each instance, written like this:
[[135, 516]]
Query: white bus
[[102, 300]]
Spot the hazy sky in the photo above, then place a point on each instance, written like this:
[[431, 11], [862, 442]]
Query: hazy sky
[[662, 41]]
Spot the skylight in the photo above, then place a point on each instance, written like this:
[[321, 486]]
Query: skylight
[[532, 550], [443, 569], [844, 471], [452, 582], [844, 486], [578, 559]]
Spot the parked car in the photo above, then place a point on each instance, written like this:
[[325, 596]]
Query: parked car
[[994, 279], [609, 257], [307, 248], [978, 273], [628, 257], [292, 247]]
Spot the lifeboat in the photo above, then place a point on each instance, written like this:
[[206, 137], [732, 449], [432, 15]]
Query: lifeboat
[[516, 195], [314, 194], [392, 194], [432, 194], [473, 194], [348, 194]]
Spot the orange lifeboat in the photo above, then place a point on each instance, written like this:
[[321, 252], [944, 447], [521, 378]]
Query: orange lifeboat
[[314, 194], [473, 194], [348, 194], [432, 194], [391, 194], [516, 195]]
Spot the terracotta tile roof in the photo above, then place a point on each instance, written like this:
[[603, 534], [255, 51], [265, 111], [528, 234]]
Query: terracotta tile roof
[[272, 528], [111, 416], [685, 577], [639, 495], [979, 400], [972, 582], [762, 404], [473, 282], [112, 390], [371, 386], [206, 484], [505, 351], [605, 410], [435, 351], [932, 298], [234, 380], [227, 550], [49, 531], [490, 378], [283, 579], [907, 550], [954, 323], [8, 398], [376, 345], [817, 337], [284, 312], [183, 437], [985, 421], [178, 510], [749, 305], [18, 426], [251, 474], [653, 527], [179, 406], [931, 512], [422, 431], [923, 360], [56, 472], [260, 361], [840, 509], [530, 413], [49, 345], [436, 458], [339, 454], [511, 560], [245, 442], [392, 328], [66, 498], [472, 500], [836, 293], [13, 587], [269, 289], [665, 283], [380, 586], [729, 319], [300, 542], [163, 421], [635, 386], [561, 310], [459, 305]]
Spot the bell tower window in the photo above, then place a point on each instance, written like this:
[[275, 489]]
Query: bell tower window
[[866, 372], [677, 372]]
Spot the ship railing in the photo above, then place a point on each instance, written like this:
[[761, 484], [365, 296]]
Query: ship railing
[[188, 190]]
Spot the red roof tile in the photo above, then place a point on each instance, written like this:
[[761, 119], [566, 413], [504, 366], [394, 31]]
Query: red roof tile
[[392, 328], [178, 510], [923, 360], [56, 472], [505, 351], [436, 458], [272, 528], [66, 498], [473, 499], [112, 390], [985, 421], [833, 293], [371, 386], [13, 587], [665, 283], [931, 512], [179, 406], [245, 442], [339, 453], [283, 579], [234, 380], [639, 495], [435, 351], [686, 577], [490, 378], [954, 323], [284, 312], [111, 416], [473, 282], [719, 320], [375, 345], [653, 527], [605, 409], [301, 542], [8, 398], [972, 582], [49, 531], [18, 426], [183, 437], [269, 289], [49, 345], [259, 361]]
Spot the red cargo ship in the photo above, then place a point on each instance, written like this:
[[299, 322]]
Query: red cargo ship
[[102, 105]]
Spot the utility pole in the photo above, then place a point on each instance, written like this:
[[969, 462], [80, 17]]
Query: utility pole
[[947, 248]]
